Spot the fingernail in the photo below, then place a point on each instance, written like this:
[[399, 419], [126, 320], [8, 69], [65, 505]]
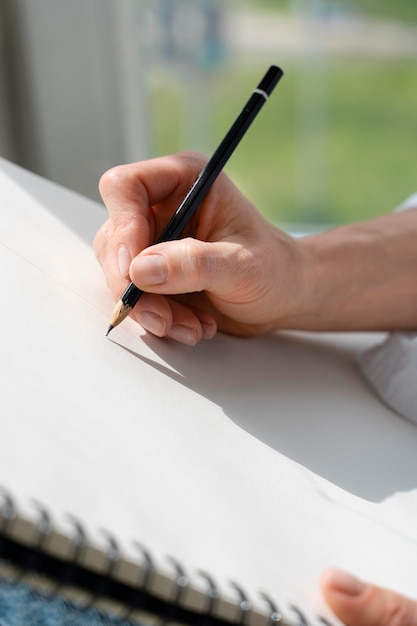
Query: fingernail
[[183, 334], [209, 330], [151, 269], [124, 261], [343, 582], [152, 322]]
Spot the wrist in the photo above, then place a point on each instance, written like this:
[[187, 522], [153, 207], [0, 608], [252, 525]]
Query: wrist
[[295, 299], [307, 292], [360, 277], [344, 281]]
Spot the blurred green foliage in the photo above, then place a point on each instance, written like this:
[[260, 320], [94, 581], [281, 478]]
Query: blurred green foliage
[[337, 142], [405, 10], [363, 148], [398, 9]]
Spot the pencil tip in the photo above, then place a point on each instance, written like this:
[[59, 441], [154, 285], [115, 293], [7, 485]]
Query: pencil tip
[[110, 328]]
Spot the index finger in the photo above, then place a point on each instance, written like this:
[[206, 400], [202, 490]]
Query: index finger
[[142, 197]]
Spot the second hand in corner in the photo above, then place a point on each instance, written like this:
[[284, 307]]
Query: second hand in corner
[[202, 185]]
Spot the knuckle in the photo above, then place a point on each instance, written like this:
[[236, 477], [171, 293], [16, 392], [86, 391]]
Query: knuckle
[[113, 178], [398, 612], [194, 159], [101, 239], [194, 263], [247, 268]]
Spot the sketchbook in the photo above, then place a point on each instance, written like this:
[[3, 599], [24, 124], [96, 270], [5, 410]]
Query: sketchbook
[[193, 485]]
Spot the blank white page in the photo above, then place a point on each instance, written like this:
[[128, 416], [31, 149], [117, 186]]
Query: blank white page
[[260, 461]]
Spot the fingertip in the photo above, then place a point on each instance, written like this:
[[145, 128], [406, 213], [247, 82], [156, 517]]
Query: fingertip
[[149, 269], [187, 335], [154, 314], [357, 603], [109, 179], [152, 322], [209, 330], [124, 260], [334, 580], [345, 595]]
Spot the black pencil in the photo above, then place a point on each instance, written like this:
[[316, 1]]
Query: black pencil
[[206, 178]]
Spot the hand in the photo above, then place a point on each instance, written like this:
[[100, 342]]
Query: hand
[[235, 271], [362, 604], [238, 272]]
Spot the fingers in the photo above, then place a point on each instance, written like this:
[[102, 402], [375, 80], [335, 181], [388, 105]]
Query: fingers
[[186, 266], [168, 318], [361, 604], [140, 199], [224, 265], [131, 191], [178, 267]]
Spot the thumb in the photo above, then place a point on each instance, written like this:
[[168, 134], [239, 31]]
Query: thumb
[[185, 266], [358, 603]]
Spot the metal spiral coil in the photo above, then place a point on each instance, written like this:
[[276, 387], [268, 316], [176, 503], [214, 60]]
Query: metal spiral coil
[[137, 596]]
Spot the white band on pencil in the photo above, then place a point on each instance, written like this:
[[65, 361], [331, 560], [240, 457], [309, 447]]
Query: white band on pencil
[[261, 92]]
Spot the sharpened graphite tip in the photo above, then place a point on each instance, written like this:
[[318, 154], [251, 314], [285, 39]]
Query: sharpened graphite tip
[[110, 328]]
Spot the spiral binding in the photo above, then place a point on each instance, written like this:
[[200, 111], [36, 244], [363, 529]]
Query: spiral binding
[[212, 595], [136, 598]]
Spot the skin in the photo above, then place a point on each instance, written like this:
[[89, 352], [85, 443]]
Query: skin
[[362, 604], [235, 272]]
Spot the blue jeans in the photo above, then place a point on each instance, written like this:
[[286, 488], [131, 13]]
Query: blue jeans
[[21, 606]]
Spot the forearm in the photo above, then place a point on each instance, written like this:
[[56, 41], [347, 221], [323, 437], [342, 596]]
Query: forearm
[[237, 273], [362, 276]]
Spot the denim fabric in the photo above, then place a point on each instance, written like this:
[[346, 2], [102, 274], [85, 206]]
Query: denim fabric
[[21, 606]]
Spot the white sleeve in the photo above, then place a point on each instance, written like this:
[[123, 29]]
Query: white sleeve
[[409, 203], [391, 367]]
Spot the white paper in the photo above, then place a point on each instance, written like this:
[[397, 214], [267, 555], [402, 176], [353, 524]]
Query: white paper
[[260, 461]]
